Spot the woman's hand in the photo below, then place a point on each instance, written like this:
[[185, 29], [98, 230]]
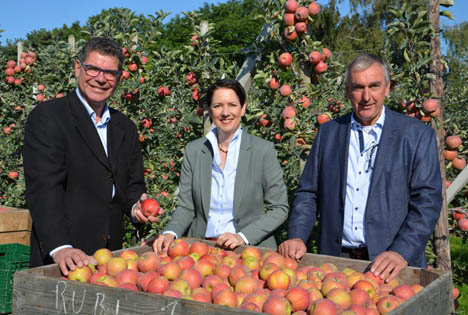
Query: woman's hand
[[229, 240], [162, 243]]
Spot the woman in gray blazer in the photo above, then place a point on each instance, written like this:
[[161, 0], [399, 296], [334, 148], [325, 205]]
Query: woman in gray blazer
[[231, 186]]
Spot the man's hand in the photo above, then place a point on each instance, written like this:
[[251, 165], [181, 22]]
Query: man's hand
[[69, 259], [387, 265], [229, 240], [162, 243], [293, 248], [138, 214]]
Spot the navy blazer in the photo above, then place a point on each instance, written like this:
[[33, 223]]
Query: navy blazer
[[405, 195]]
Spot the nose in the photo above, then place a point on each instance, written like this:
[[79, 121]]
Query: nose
[[366, 94], [100, 77], [225, 111]]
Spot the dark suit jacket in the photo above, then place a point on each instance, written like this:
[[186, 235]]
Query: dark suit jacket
[[405, 195], [259, 181], [69, 178]]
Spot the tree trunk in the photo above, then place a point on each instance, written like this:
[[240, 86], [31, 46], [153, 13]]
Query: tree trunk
[[441, 233]]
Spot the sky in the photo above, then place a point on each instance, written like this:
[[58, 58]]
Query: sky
[[19, 17]]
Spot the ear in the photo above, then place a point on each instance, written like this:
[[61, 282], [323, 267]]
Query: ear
[[77, 68], [243, 109], [387, 89]]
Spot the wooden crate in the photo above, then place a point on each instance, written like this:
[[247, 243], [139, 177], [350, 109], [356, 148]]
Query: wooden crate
[[41, 291], [15, 225]]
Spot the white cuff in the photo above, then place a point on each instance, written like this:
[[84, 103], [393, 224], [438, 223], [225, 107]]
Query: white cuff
[[246, 241], [170, 232], [52, 252]]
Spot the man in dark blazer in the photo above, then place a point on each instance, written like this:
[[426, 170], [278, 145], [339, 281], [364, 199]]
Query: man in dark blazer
[[83, 165], [377, 200]]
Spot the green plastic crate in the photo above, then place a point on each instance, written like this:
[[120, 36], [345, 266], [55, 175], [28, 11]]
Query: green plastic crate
[[13, 257]]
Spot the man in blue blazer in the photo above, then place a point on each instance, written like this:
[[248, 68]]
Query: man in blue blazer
[[372, 178]]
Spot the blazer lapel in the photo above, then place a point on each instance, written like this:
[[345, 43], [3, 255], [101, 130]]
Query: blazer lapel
[[242, 172], [87, 130], [115, 135], [384, 151], [206, 165], [343, 145]]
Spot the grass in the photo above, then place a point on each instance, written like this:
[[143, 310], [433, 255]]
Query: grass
[[459, 254]]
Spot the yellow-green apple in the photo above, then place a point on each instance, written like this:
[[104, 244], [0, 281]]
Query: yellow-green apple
[[127, 275], [178, 247], [348, 271], [199, 248], [211, 281], [251, 251], [359, 296], [367, 286], [329, 267], [132, 265], [292, 276], [226, 297], [102, 256], [148, 261], [182, 286], [403, 291], [355, 277], [205, 267], [277, 305], [116, 265], [129, 254], [94, 278], [222, 271], [128, 286], [278, 279], [192, 276], [231, 261], [145, 279], [82, 274], [417, 287], [387, 303], [107, 281], [332, 283], [323, 306], [195, 256], [246, 284], [171, 270], [299, 298], [314, 295], [251, 262], [340, 297], [157, 285], [184, 262]]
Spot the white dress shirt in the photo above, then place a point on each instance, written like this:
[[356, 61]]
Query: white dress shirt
[[358, 179], [221, 213]]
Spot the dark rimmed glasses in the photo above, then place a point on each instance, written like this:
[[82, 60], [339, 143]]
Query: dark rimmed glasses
[[93, 71]]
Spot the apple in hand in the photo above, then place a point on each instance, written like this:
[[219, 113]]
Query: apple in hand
[[150, 207]]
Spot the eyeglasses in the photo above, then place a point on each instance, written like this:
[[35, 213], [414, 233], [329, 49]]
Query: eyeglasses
[[92, 71]]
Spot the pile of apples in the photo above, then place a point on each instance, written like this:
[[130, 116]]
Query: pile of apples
[[268, 282], [452, 143], [462, 222]]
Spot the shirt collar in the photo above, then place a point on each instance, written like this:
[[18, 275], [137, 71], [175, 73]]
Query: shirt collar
[[357, 125], [92, 114], [213, 135]]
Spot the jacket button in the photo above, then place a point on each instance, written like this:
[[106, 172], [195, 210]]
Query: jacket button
[[109, 175], [337, 240]]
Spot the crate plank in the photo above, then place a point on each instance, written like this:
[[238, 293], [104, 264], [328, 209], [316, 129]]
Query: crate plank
[[15, 237], [41, 291], [15, 220]]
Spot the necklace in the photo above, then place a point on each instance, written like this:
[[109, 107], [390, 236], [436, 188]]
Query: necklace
[[221, 149]]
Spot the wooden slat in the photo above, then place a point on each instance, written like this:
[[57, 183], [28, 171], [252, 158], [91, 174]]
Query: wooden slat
[[15, 220], [41, 291], [22, 237]]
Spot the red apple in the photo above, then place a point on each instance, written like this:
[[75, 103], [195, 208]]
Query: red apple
[[178, 247], [148, 261], [285, 60], [150, 207], [277, 305]]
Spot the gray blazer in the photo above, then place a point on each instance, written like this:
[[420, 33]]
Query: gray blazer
[[259, 181]]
